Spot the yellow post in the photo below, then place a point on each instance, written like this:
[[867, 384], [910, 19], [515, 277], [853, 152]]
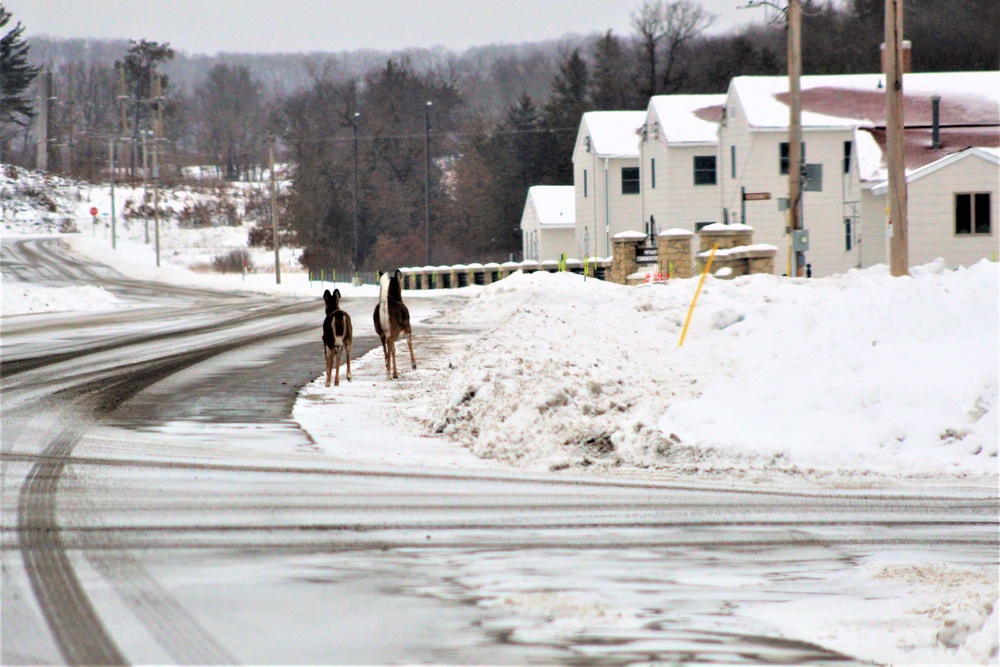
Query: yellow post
[[696, 293]]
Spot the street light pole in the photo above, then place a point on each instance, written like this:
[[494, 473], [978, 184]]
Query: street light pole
[[274, 215], [427, 177], [356, 258]]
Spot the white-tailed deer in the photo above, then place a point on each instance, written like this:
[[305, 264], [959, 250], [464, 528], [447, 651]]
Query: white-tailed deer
[[337, 336], [392, 320]]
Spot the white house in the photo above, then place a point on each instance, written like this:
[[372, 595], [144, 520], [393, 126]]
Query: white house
[[964, 229], [606, 179], [548, 225], [679, 154], [843, 130]]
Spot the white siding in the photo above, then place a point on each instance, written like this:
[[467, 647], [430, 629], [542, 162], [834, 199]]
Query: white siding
[[758, 170], [931, 207]]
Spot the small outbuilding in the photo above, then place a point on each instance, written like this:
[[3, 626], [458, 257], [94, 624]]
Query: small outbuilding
[[548, 223]]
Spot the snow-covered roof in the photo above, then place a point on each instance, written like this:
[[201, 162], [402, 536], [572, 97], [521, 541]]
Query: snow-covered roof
[[554, 204], [990, 155], [850, 100], [613, 133], [688, 119]]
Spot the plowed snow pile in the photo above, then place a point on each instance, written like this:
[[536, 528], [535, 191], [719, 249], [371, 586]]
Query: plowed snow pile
[[850, 375]]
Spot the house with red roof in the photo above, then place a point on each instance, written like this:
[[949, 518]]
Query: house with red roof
[[953, 212]]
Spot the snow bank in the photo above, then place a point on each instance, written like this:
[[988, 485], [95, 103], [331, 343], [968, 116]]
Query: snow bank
[[853, 374], [21, 298]]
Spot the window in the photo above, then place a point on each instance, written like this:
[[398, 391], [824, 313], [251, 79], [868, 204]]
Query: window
[[847, 157], [732, 161], [848, 236], [630, 180], [584, 182], [704, 170], [972, 213], [652, 172], [698, 225], [783, 157]]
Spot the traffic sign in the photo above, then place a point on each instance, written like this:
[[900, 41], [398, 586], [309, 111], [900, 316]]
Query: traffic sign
[[93, 210]]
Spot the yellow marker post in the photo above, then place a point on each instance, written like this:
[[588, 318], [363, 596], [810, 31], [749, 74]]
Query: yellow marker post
[[696, 293]]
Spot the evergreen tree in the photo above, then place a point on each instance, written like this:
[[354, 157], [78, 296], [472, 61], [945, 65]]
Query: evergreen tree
[[561, 117], [15, 76], [613, 82]]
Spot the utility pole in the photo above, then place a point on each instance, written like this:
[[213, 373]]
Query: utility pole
[[357, 262], [793, 15], [145, 181], [158, 105], [111, 166], [44, 93], [427, 178], [274, 206], [795, 129], [899, 259]]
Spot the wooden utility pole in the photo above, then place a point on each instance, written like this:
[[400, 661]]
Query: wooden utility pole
[[44, 93], [899, 253], [274, 213], [158, 101], [795, 130]]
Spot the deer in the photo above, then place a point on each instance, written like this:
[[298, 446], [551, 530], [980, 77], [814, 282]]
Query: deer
[[392, 320], [338, 334]]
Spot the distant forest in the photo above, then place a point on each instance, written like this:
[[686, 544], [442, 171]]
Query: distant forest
[[500, 118]]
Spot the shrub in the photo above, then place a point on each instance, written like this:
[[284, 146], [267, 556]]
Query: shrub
[[233, 261], [68, 226], [261, 237]]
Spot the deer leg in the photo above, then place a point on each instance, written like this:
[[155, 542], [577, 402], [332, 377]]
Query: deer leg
[[348, 346], [395, 371], [336, 377], [329, 364], [413, 360]]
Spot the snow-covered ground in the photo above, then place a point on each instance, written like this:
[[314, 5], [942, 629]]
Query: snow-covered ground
[[855, 380]]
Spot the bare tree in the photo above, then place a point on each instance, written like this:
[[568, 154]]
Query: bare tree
[[664, 31]]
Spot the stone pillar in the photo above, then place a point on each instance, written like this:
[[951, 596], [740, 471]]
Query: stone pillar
[[490, 270], [623, 248], [674, 253]]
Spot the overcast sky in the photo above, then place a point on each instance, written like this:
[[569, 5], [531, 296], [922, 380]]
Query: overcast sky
[[211, 26]]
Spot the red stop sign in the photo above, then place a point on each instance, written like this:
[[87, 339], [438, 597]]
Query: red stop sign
[[93, 210]]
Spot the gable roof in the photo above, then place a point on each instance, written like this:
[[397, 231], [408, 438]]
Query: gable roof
[[613, 134], [554, 204], [688, 119], [990, 155], [852, 100]]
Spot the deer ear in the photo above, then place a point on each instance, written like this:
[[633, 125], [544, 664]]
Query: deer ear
[[336, 294], [398, 274], [326, 294], [378, 276]]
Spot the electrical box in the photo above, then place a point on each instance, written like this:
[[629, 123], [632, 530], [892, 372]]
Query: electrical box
[[813, 177], [782, 203], [800, 240]]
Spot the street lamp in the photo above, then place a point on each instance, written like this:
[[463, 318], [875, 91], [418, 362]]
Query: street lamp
[[356, 260], [427, 178]]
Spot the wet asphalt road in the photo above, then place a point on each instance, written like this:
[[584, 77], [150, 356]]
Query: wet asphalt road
[[160, 506]]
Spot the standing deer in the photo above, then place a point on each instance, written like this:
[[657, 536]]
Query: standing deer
[[337, 336], [392, 320]]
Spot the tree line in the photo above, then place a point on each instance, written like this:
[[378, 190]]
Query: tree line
[[432, 135]]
